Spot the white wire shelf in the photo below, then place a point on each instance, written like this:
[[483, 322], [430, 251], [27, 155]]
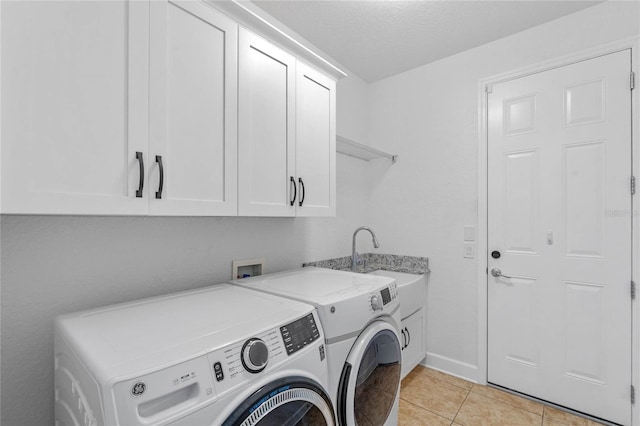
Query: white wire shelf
[[358, 150]]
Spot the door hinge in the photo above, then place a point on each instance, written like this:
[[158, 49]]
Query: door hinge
[[632, 80], [633, 185], [633, 394], [633, 290], [488, 88]]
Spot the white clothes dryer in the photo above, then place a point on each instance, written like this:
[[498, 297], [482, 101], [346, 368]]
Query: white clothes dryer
[[360, 316], [223, 355]]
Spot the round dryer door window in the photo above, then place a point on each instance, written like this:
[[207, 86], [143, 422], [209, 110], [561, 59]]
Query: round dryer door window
[[370, 380], [291, 401]]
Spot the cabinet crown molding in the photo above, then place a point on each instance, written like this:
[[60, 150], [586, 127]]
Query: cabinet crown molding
[[258, 21]]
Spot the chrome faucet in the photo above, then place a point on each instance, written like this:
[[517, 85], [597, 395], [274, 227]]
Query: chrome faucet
[[354, 254]]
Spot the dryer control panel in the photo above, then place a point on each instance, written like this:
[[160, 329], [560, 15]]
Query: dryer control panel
[[382, 298]]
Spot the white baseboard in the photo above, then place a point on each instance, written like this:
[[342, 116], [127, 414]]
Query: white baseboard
[[451, 366]]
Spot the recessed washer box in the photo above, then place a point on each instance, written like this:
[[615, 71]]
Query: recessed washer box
[[246, 268]]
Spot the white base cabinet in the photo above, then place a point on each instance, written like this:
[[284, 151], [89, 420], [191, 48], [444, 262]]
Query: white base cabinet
[[413, 341]]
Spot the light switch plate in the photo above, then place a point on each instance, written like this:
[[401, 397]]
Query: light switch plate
[[469, 233], [469, 250]]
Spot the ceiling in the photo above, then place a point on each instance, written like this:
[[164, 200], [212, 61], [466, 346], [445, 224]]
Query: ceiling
[[376, 39]]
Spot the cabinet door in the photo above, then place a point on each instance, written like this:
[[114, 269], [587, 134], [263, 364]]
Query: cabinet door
[[266, 155], [193, 99], [413, 349], [74, 102], [315, 142]]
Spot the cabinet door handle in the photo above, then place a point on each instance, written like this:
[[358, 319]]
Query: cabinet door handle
[[295, 190], [408, 336], [302, 192], [141, 182], [404, 339], [161, 184]]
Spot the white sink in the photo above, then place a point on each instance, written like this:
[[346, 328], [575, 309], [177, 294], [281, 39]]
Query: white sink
[[411, 290]]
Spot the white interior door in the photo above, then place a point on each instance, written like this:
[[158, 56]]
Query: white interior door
[[559, 168]]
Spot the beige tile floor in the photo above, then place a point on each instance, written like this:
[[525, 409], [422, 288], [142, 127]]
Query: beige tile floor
[[429, 397]]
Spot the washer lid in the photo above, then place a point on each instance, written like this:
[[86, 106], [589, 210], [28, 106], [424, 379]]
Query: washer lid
[[318, 286], [166, 329]]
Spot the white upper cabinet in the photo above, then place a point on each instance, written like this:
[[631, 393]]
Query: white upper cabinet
[[193, 119], [266, 134], [161, 108], [315, 142], [286, 152], [74, 94]]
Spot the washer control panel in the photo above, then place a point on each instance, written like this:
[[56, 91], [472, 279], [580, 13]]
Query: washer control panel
[[300, 333], [253, 356], [241, 360]]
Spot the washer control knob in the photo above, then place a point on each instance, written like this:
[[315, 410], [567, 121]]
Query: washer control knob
[[254, 355], [376, 303]]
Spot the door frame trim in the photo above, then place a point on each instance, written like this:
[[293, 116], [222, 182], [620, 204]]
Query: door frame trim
[[632, 43]]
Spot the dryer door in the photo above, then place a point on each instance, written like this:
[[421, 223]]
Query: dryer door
[[287, 401], [370, 379]]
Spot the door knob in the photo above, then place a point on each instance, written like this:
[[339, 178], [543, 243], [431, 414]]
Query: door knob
[[496, 272]]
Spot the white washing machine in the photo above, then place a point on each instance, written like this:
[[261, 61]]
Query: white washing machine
[[360, 316], [223, 355]]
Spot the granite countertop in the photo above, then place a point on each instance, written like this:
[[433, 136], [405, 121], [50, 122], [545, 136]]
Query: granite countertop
[[375, 261]]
